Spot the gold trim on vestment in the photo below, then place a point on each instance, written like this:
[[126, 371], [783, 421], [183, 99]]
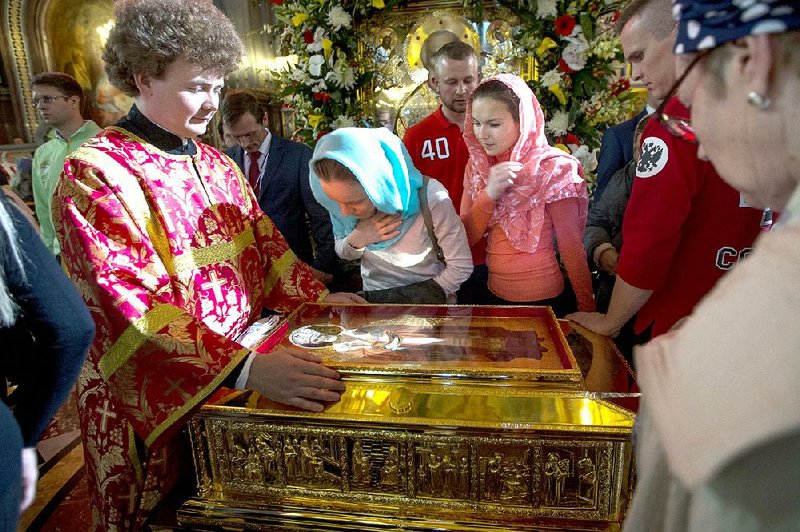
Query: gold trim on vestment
[[133, 455], [224, 251], [197, 398], [132, 197], [135, 336], [276, 271]]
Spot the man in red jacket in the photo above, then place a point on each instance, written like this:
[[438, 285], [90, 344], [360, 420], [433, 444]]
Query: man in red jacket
[[683, 227], [436, 143]]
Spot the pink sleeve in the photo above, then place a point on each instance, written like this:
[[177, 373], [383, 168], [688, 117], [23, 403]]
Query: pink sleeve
[[475, 216], [565, 215]]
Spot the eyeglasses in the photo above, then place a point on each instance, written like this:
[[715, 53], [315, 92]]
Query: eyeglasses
[[680, 127], [47, 100]]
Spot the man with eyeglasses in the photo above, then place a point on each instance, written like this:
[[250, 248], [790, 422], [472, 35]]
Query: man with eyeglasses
[[59, 99], [277, 170], [683, 226]]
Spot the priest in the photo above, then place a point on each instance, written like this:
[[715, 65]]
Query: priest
[[174, 258]]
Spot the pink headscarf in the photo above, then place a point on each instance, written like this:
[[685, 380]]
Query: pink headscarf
[[548, 175]]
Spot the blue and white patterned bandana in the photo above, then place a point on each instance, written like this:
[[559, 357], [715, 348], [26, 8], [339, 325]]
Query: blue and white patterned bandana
[[704, 24]]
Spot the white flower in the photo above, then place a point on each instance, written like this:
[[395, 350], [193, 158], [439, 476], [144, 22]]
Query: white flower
[[342, 75], [559, 123], [316, 46], [339, 18], [298, 74], [550, 78], [315, 63], [319, 85], [343, 121], [574, 54], [546, 9], [587, 157]]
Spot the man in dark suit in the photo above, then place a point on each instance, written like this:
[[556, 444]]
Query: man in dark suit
[[277, 169], [616, 150]]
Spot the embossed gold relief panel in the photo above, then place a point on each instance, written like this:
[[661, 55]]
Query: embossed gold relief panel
[[441, 427], [533, 475]]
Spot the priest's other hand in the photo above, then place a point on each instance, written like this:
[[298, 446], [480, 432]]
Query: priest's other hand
[[294, 377], [344, 297]]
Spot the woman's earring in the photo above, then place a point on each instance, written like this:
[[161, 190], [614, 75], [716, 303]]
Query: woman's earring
[[761, 103]]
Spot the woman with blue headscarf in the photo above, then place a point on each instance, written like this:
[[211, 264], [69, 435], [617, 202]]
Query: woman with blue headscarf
[[718, 434], [366, 180]]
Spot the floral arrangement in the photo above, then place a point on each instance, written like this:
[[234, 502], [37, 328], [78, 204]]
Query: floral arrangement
[[578, 59], [322, 88]]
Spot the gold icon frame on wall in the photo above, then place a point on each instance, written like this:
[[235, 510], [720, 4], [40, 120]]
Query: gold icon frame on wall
[[400, 82]]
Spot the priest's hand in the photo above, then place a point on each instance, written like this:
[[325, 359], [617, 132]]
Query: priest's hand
[[295, 377], [344, 297]]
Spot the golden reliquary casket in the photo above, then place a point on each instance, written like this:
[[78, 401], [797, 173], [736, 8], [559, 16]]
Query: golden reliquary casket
[[454, 418]]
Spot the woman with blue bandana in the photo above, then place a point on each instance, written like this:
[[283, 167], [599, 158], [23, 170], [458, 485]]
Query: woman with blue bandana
[[366, 180], [718, 436]]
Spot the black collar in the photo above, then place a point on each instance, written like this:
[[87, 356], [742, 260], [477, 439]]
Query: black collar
[[138, 124]]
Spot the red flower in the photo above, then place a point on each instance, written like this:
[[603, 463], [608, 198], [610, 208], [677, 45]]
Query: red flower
[[322, 96], [308, 36], [563, 66], [616, 16], [564, 25], [322, 134], [277, 2], [572, 138], [593, 7], [620, 86]]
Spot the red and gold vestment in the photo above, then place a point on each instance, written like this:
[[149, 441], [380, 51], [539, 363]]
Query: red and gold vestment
[[174, 259]]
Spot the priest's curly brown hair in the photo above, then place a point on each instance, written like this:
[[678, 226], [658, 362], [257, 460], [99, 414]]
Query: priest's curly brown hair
[[149, 35]]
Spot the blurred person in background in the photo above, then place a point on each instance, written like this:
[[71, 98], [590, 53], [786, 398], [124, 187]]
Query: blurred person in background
[[60, 101]]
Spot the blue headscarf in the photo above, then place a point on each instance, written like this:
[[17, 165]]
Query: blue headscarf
[[704, 24], [381, 163]]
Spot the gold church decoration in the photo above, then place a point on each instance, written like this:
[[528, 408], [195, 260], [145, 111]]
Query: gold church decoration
[[454, 418], [356, 62]]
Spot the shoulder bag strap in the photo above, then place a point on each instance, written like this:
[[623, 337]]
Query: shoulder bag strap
[[426, 215]]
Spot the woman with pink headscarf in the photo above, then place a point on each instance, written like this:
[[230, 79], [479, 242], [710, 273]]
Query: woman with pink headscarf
[[519, 192]]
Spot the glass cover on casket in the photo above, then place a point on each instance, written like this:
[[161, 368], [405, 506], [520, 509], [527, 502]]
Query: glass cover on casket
[[519, 344]]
